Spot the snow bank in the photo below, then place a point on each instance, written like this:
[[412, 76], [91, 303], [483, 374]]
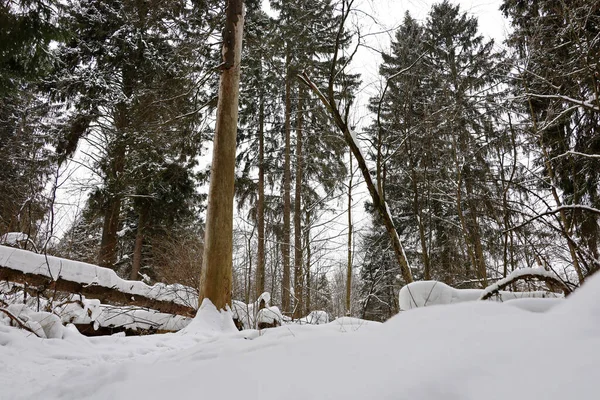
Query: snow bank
[[53, 267], [250, 315], [538, 305], [465, 351], [429, 293]]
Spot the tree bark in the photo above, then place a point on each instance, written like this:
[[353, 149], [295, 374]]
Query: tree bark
[[285, 246], [107, 256], [260, 206], [308, 262], [139, 241], [349, 265], [216, 276], [298, 275]]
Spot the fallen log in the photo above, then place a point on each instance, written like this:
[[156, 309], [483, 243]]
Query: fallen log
[[46, 273]]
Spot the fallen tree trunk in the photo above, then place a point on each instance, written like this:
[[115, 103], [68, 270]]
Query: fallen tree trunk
[[107, 295]]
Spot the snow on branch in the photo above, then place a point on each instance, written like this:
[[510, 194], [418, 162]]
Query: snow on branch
[[525, 274], [555, 211], [585, 104], [576, 153]]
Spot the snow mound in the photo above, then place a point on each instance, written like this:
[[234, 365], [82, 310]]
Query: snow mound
[[210, 321], [535, 305], [315, 318], [270, 315], [44, 324]]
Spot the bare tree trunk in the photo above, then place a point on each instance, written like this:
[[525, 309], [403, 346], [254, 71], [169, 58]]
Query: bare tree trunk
[[341, 121], [139, 242], [298, 275], [285, 246], [108, 245], [349, 266], [377, 198], [216, 276], [260, 206], [476, 235]]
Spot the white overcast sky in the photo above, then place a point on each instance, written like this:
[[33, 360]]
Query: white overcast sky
[[386, 16]]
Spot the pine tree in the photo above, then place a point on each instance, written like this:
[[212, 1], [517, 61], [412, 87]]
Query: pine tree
[[127, 80], [28, 27], [438, 79], [557, 62]]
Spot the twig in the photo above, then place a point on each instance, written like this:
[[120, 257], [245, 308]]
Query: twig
[[18, 321]]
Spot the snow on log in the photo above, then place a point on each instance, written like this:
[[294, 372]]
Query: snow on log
[[47, 272], [429, 293], [524, 274]]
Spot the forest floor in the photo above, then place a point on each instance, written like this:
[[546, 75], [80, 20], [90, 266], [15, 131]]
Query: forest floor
[[473, 350]]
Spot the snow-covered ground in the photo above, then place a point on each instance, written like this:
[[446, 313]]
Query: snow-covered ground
[[471, 350]]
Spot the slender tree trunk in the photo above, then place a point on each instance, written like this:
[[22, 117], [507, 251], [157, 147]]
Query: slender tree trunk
[[349, 261], [285, 246], [260, 206], [298, 275], [417, 209], [308, 261], [377, 197], [139, 242], [216, 276]]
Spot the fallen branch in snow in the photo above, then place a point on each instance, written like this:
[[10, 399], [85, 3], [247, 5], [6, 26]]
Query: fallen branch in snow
[[525, 274], [18, 321], [341, 121]]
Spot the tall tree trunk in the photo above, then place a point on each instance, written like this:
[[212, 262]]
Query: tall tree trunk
[[476, 234], [139, 242], [417, 209], [107, 256], [285, 246], [260, 206], [349, 263], [216, 276], [298, 275], [308, 261]]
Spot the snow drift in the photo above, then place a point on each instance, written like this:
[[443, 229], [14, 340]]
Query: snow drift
[[465, 351]]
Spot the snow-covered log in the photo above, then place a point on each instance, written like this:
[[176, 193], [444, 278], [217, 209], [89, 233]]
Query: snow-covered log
[[429, 293], [62, 275], [525, 274]]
